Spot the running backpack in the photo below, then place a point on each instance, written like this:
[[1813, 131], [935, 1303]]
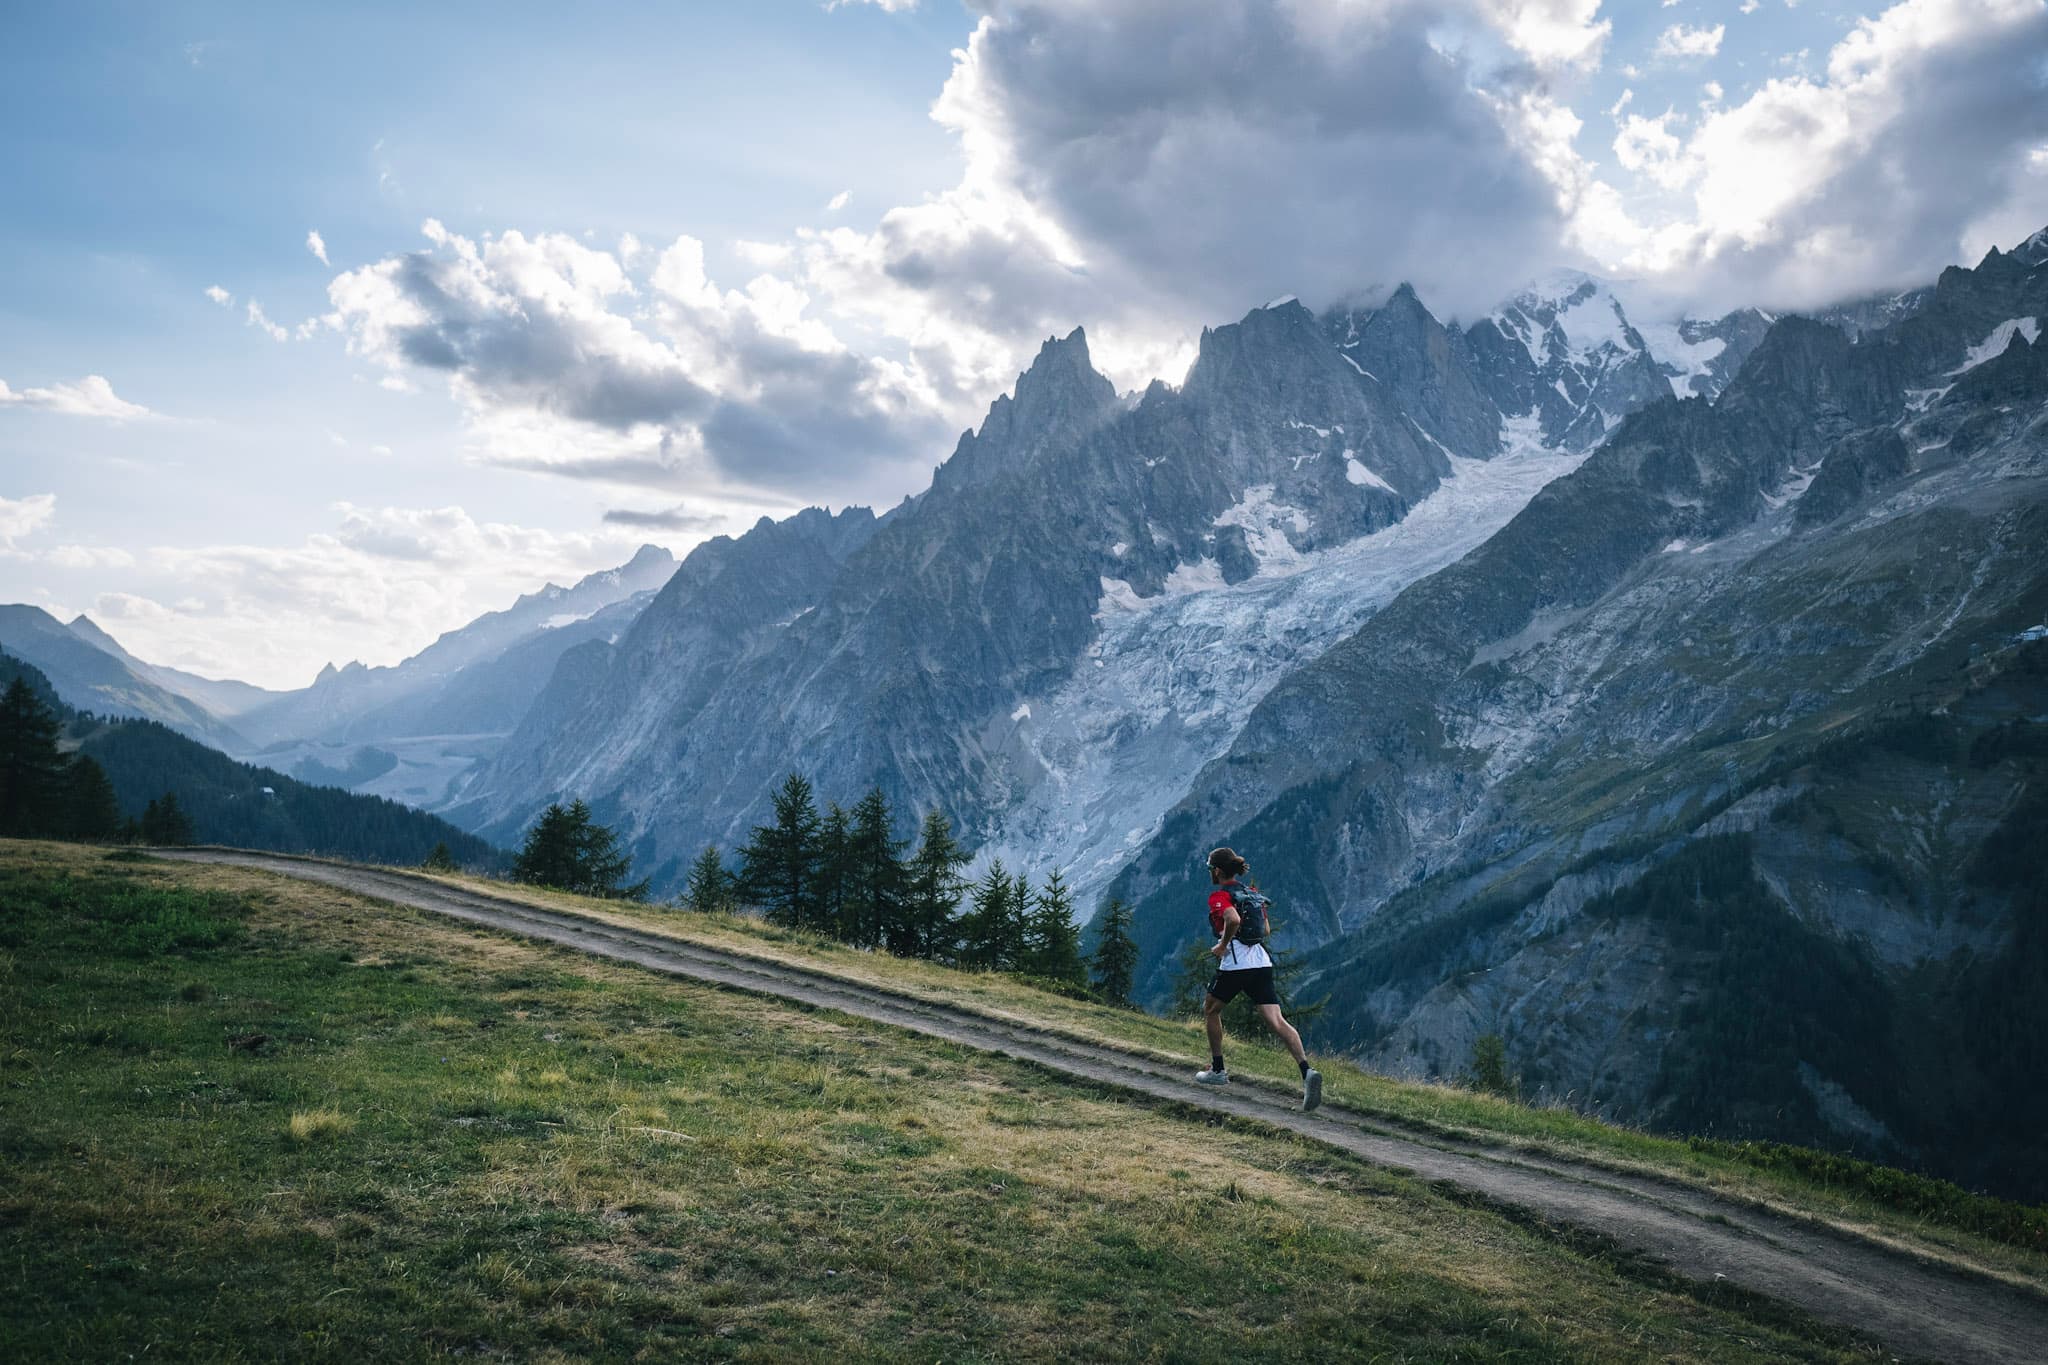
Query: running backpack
[[1254, 923]]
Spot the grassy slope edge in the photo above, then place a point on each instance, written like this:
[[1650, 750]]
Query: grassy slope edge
[[242, 1116]]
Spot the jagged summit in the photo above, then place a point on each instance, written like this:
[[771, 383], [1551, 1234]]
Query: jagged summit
[[1059, 397], [2034, 251]]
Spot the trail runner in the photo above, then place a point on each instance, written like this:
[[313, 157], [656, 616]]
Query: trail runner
[[1245, 967]]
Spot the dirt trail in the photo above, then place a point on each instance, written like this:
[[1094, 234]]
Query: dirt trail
[[1913, 1309]]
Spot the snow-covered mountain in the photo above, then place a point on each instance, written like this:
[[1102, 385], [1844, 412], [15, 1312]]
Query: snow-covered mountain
[[1093, 594], [1710, 781]]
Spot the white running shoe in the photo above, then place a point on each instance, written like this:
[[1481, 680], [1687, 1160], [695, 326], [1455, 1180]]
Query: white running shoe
[[1311, 1089], [1212, 1078]]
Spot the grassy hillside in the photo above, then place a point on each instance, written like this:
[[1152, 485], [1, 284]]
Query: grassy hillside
[[243, 1117]]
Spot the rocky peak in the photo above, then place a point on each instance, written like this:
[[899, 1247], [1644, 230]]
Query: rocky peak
[[2033, 251], [1429, 370], [1059, 399]]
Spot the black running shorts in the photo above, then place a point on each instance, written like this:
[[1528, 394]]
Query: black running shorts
[[1257, 982]]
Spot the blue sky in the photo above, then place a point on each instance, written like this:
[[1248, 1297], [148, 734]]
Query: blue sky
[[610, 273]]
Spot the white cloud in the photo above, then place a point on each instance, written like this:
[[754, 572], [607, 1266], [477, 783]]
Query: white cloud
[[20, 517], [890, 6], [1682, 43], [566, 363], [1750, 6], [1713, 91], [1627, 98], [256, 319], [91, 396], [220, 296], [1873, 176], [131, 608], [1648, 147], [839, 201], [764, 255], [385, 579], [1554, 34], [90, 557], [1150, 167], [316, 245]]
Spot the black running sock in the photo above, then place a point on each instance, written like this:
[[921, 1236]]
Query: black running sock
[[1304, 1068], [1216, 1061]]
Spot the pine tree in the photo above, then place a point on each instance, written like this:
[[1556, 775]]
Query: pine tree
[[1052, 940], [440, 860], [877, 879], [601, 864], [1016, 924], [569, 851], [30, 766], [780, 864], [1116, 954], [90, 810], [927, 926], [548, 857], [835, 873], [984, 929], [165, 823], [710, 885]]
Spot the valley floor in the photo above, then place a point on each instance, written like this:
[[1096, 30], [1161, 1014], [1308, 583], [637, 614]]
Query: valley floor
[[248, 1116]]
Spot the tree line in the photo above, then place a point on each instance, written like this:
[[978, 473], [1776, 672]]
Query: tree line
[[846, 874]]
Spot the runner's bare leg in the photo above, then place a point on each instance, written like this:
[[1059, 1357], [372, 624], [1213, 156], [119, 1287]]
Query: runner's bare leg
[[1274, 1021]]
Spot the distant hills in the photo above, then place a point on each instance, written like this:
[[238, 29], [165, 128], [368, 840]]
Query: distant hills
[[245, 805], [403, 731]]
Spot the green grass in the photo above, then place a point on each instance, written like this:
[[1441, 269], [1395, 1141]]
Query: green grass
[[247, 1118], [1931, 1217]]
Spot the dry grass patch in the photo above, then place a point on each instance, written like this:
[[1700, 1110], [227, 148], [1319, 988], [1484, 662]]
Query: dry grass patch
[[318, 1125]]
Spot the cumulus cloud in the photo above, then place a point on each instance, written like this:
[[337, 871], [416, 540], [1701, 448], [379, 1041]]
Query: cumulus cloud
[[1150, 166], [91, 396], [21, 517], [1872, 176], [839, 201], [566, 363], [220, 296], [1681, 43], [318, 246]]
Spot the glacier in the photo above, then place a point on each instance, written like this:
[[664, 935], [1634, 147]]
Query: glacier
[[1097, 763]]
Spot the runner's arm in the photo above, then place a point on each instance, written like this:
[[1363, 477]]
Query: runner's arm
[[1231, 919]]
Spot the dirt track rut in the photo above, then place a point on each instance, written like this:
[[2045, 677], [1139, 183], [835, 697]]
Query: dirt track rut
[[1912, 1308]]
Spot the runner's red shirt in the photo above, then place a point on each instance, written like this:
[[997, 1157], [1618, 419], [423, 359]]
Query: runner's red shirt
[[1219, 906]]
